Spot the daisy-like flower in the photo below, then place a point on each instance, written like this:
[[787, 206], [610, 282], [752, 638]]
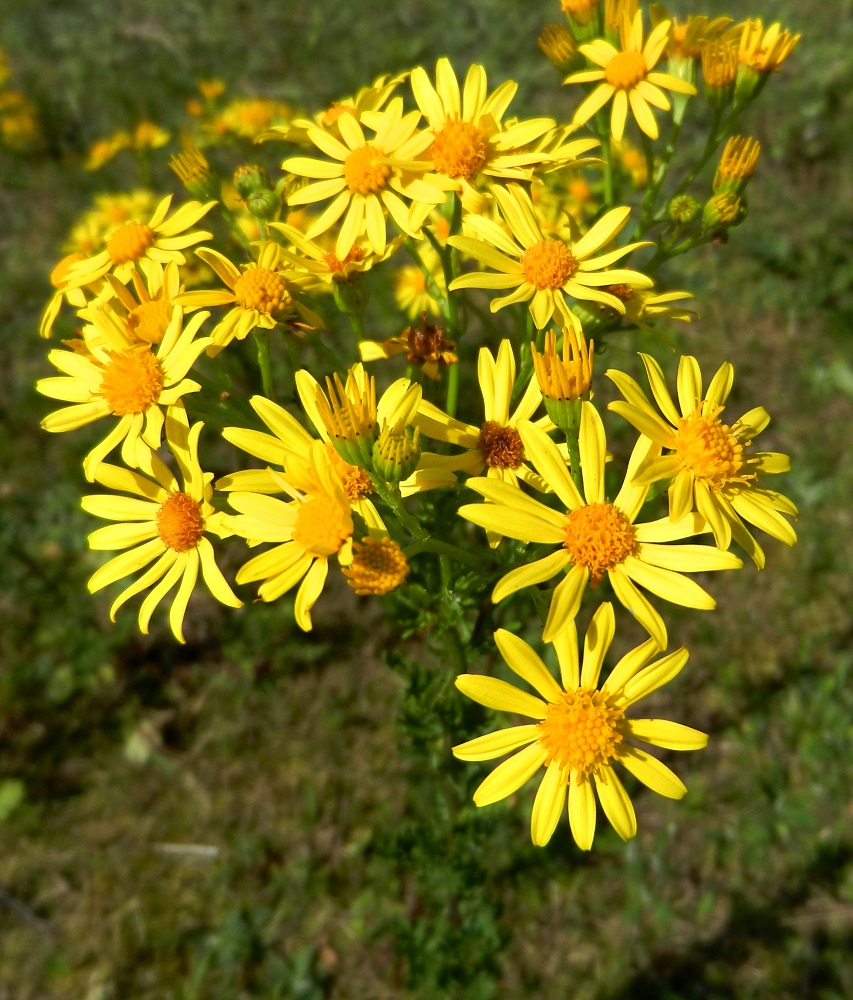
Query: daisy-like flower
[[147, 308], [123, 378], [158, 240], [378, 566], [310, 528], [581, 731], [412, 289], [260, 295], [288, 439], [367, 178], [596, 537], [162, 523], [496, 444], [628, 76], [708, 461], [470, 141], [317, 260], [764, 50], [425, 345], [543, 269]]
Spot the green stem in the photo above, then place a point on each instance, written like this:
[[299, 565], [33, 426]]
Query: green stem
[[443, 549], [573, 442], [262, 343], [391, 495], [231, 222], [602, 124]]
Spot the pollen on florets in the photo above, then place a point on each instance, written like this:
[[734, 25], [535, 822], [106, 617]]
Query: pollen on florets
[[710, 449], [548, 264], [362, 173], [599, 536], [377, 568], [132, 381], [149, 320], [322, 525], [581, 731], [459, 149], [129, 242], [625, 70], [261, 289], [179, 522]]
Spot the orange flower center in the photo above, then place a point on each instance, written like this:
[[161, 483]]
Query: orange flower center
[[333, 113], [355, 481], [132, 381], [599, 536], [355, 255], [129, 242], [378, 567], [149, 320], [60, 272], [179, 522], [459, 149], [362, 174], [581, 731], [501, 447], [548, 264], [625, 70], [709, 449], [322, 525], [266, 291]]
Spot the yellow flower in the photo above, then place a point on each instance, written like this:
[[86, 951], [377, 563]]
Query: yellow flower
[[104, 150], [709, 464], [318, 261], [260, 294], [581, 731], [126, 379], [156, 240], [313, 526], [366, 178], [542, 269], [288, 439], [496, 444], [148, 312], [628, 76], [378, 566], [109, 212], [160, 522], [596, 537], [250, 118], [764, 51], [425, 345], [470, 141]]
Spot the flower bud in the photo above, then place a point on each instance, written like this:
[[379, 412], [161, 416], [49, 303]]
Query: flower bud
[[396, 453], [683, 209], [250, 178]]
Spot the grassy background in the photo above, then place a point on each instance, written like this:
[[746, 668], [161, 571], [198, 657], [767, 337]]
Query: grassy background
[[240, 817]]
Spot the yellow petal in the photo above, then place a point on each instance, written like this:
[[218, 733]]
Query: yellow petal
[[652, 773], [615, 802], [670, 735], [599, 635], [509, 776], [503, 697], [582, 810], [496, 744], [548, 804], [526, 663]]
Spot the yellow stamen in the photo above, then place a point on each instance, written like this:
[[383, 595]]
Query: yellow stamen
[[625, 70], [500, 447], [581, 731], [129, 242], [322, 525], [149, 320], [362, 174], [378, 567], [132, 381], [179, 522], [710, 450], [355, 255], [460, 149], [548, 264], [599, 536], [266, 291]]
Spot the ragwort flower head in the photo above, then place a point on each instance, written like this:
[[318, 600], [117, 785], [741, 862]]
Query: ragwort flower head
[[261, 295], [368, 177], [160, 239], [470, 140], [708, 461], [595, 537], [162, 523], [546, 270], [118, 376], [309, 529], [628, 76], [581, 731]]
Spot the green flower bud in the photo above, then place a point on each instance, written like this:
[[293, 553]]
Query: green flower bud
[[396, 453], [250, 178], [683, 209], [352, 293]]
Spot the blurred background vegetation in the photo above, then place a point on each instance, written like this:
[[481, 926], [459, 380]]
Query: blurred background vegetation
[[246, 816]]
